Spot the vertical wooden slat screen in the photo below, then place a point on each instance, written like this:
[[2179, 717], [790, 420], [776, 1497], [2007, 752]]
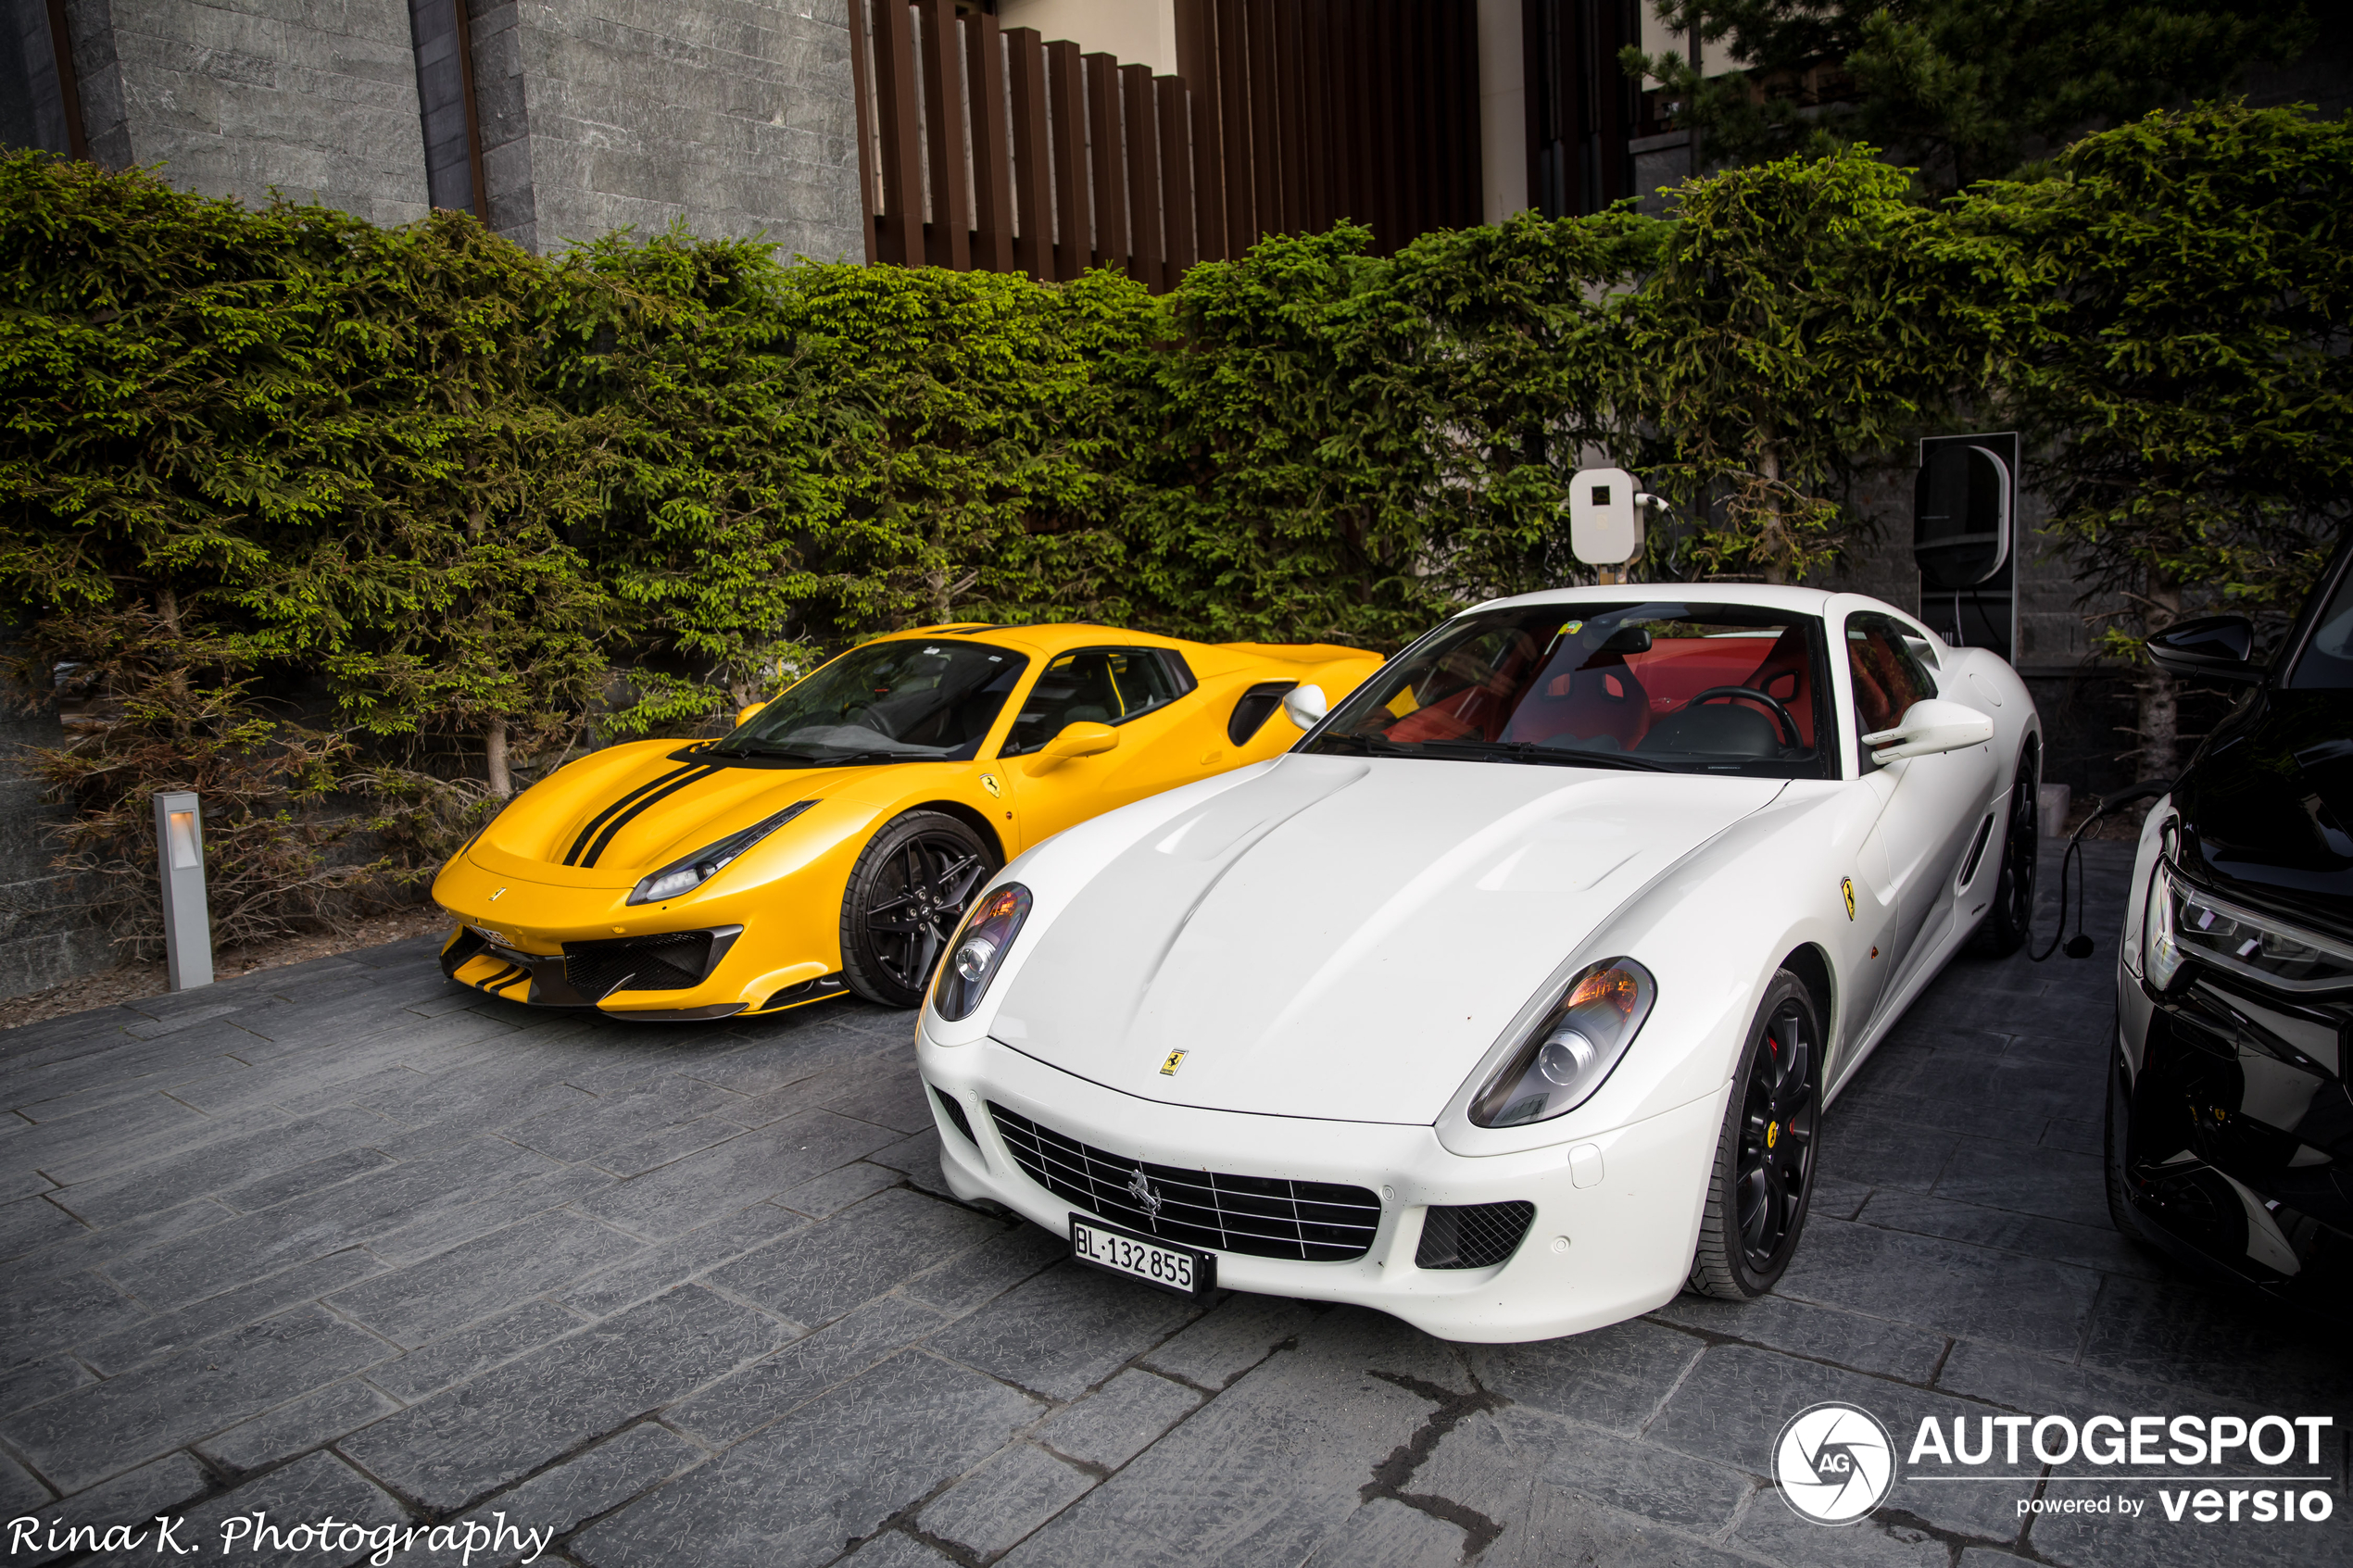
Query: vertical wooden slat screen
[[1033, 166], [1142, 127], [992, 187], [948, 240], [1105, 160], [1005, 151], [1074, 215]]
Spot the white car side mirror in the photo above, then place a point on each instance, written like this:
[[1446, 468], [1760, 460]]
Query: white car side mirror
[[1305, 706], [1929, 727]]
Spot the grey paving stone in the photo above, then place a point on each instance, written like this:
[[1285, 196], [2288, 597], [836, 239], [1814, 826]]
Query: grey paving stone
[[1947, 1286], [2027, 1179], [1064, 1331], [2086, 1245], [254, 1245], [464, 1442], [1268, 1469], [126, 1348], [1865, 1344], [1229, 1340], [104, 1428], [317, 1418], [796, 1492], [1387, 1534], [2068, 1133], [918, 1158], [1862, 1150], [173, 1023], [1491, 1463], [999, 1504], [1732, 1405], [1770, 1530], [770, 1389], [29, 1182], [889, 1095], [477, 1349], [657, 1268], [41, 1315], [1615, 1377], [584, 1130], [447, 1226], [36, 1381], [33, 1222], [1836, 1199], [136, 1497], [139, 1134], [984, 1273], [597, 1481], [814, 1275], [736, 1174], [20, 1493], [98, 1249], [319, 1175], [498, 1271], [309, 1491], [668, 1144], [836, 1190], [1127, 1415], [2018, 1380], [891, 1550]]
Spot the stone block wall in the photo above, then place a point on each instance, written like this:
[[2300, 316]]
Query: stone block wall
[[316, 98], [42, 941], [737, 116]]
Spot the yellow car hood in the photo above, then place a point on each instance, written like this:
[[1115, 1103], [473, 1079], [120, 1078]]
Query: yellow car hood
[[608, 818]]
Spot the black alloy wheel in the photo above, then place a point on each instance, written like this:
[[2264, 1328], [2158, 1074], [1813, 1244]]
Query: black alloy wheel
[[906, 896], [2008, 923], [1763, 1180]]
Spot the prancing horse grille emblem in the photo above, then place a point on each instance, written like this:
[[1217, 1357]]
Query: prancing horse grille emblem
[[1142, 1191]]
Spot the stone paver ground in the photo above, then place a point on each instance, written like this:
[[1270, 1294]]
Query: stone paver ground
[[344, 1239]]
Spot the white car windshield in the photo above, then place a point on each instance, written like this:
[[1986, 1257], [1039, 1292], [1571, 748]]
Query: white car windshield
[[887, 702], [1655, 686]]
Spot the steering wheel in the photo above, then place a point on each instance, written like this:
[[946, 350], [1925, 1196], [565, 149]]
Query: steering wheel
[[1781, 720], [872, 716]]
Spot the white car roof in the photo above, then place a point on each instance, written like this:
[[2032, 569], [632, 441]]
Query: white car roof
[[1764, 595]]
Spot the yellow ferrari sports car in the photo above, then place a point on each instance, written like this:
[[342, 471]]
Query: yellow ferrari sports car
[[834, 838]]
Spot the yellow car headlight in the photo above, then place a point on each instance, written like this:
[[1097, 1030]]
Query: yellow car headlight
[[686, 876]]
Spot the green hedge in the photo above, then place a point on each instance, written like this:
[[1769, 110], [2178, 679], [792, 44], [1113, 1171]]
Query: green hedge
[[407, 513]]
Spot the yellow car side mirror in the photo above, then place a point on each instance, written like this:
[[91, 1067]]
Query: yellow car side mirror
[[743, 714], [1082, 739]]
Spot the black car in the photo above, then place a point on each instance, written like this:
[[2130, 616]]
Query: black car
[[2229, 1124]]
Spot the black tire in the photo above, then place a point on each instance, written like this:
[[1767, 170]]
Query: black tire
[[905, 896], [2114, 1127], [1762, 1182], [2006, 926]]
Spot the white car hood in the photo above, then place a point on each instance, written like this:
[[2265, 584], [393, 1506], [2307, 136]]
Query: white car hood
[[1344, 939]]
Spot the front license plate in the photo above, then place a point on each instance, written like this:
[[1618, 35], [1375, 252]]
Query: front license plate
[[1179, 1269]]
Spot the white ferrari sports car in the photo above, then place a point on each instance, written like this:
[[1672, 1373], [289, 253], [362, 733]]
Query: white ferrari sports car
[[1508, 1000]]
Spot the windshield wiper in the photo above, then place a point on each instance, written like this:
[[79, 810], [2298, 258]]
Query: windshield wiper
[[1371, 745], [1496, 751]]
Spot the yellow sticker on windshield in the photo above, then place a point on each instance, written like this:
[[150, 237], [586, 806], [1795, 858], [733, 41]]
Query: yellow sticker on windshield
[[1572, 628]]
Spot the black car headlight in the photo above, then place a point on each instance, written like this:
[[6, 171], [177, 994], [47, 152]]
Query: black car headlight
[[978, 951], [1572, 1049], [2183, 920], [686, 876]]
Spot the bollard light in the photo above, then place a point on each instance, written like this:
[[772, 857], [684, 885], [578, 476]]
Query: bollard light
[[187, 924]]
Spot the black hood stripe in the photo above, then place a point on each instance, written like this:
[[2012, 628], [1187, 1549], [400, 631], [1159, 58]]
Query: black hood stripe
[[571, 857], [677, 782]]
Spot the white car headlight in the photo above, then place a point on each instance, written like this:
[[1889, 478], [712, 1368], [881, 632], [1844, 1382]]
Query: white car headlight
[[684, 877], [978, 951], [2183, 920], [1572, 1049]]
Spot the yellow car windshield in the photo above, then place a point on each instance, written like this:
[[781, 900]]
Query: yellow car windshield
[[887, 702]]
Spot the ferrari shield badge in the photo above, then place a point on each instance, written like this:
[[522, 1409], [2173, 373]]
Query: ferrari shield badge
[[988, 783], [1847, 886], [1176, 1060]]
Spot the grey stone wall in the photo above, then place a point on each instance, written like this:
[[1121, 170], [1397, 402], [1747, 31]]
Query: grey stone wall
[[737, 116], [32, 113], [316, 98], [42, 941]]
